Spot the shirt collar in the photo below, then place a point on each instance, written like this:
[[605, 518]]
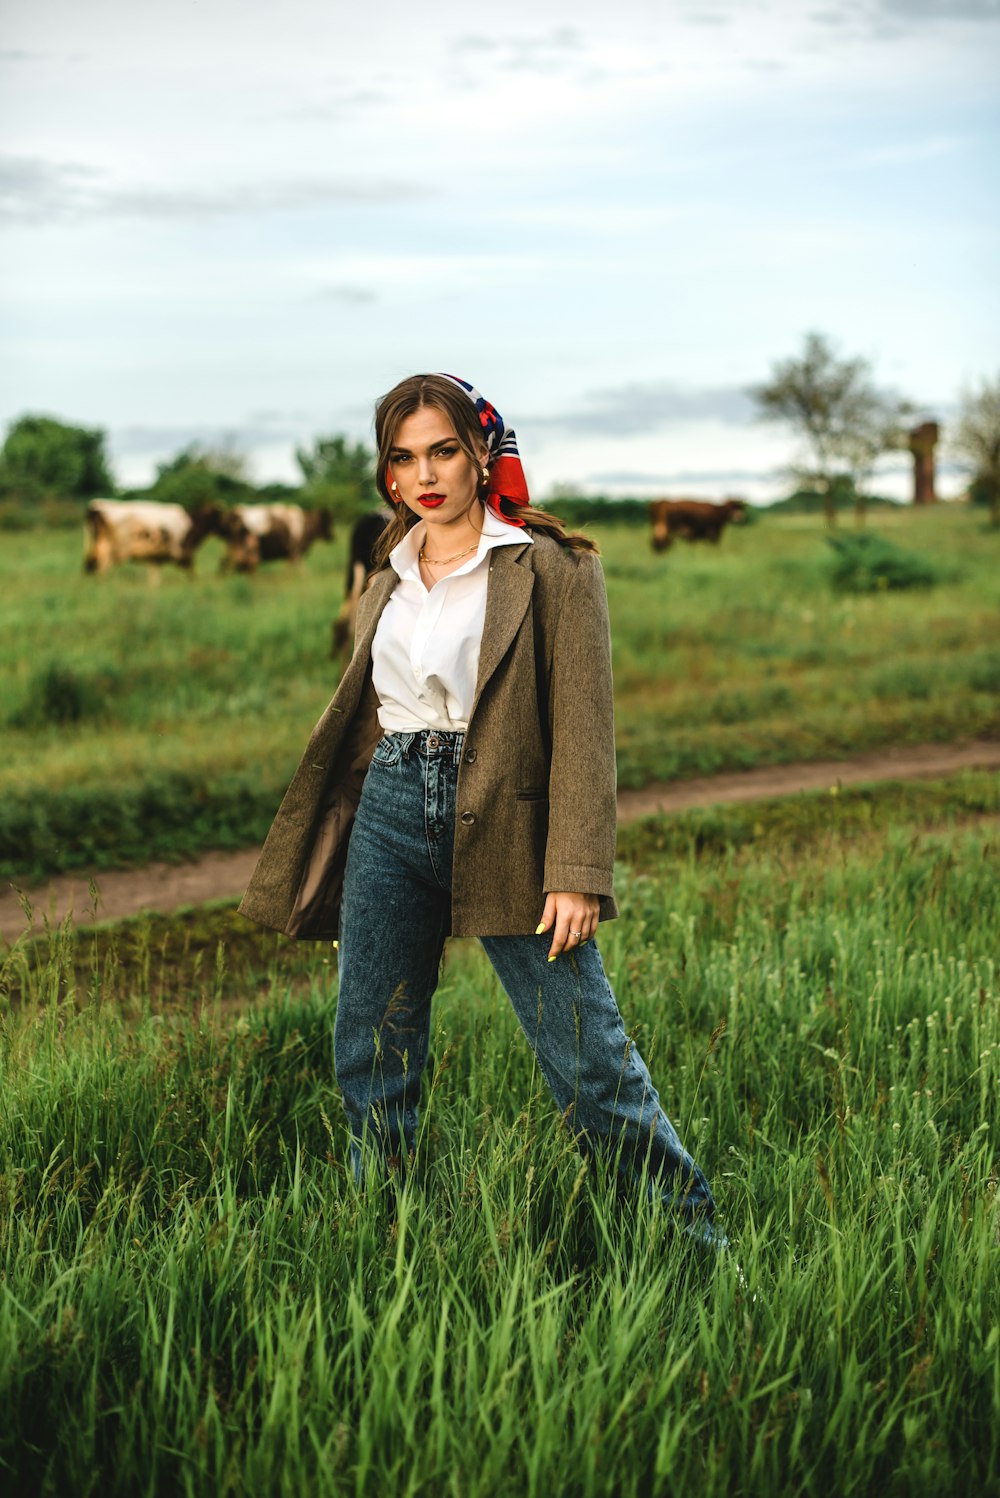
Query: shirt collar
[[404, 557]]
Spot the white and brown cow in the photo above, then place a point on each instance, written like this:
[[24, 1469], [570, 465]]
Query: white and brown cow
[[270, 533], [143, 530], [692, 520]]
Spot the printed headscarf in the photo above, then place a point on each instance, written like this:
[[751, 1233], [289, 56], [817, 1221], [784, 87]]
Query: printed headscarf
[[506, 476]]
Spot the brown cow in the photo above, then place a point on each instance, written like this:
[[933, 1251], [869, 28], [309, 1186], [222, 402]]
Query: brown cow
[[692, 519], [270, 533], [143, 530]]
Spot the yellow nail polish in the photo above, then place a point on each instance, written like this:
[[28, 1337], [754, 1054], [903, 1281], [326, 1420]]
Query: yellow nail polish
[[539, 928], [553, 957], [336, 946]]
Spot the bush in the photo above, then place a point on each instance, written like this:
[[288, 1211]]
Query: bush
[[868, 563], [17, 517], [984, 673], [844, 497], [983, 491], [574, 510], [169, 816], [51, 512], [43, 457], [58, 694], [194, 484]]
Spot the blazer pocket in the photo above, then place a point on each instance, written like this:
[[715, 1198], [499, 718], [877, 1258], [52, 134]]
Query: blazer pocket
[[533, 793]]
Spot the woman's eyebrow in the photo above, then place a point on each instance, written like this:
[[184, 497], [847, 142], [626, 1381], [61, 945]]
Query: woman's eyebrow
[[441, 442]]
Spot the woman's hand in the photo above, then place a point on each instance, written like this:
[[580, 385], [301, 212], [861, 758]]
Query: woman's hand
[[571, 918]]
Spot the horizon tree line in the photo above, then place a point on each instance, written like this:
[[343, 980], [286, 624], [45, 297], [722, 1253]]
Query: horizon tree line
[[842, 420]]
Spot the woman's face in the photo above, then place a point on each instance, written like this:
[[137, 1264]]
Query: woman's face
[[434, 477]]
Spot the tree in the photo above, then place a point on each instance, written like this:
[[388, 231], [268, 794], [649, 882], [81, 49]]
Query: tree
[[44, 458], [225, 459], [338, 473], [844, 420], [875, 429], [201, 476], [976, 441]]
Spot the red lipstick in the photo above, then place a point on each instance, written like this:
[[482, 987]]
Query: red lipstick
[[431, 501]]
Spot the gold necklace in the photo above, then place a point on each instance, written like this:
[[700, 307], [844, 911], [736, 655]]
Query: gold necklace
[[443, 561]]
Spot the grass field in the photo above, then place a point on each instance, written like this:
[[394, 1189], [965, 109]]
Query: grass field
[[196, 1299], [147, 721]]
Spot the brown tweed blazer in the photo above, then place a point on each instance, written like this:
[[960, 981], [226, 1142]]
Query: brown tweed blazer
[[536, 801]]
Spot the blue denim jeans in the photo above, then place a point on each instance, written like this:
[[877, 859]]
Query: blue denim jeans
[[394, 919]]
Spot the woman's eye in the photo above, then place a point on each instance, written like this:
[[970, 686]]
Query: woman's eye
[[399, 458], [447, 452]]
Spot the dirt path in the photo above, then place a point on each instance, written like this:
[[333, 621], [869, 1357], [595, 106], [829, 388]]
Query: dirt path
[[223, 876]]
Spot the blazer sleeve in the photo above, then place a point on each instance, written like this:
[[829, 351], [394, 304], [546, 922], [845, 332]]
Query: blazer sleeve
[[580, 850]]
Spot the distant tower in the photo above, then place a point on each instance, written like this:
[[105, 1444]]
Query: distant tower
[[922, 441]]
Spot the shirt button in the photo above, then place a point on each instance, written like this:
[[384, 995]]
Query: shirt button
[[470, 756], [468, 817]]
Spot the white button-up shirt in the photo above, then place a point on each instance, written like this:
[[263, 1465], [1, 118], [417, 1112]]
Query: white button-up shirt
[[425, 652]]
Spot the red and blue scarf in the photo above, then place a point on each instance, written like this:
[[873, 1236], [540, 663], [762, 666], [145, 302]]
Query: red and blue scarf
[[506, 476]]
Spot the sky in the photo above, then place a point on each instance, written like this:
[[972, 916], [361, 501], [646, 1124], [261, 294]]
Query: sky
[[236, 223]]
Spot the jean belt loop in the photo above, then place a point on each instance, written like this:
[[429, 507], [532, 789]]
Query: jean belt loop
[[405, 745]]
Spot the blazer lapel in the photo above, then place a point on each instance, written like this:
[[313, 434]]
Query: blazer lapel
[[507, 599], [371, 605]]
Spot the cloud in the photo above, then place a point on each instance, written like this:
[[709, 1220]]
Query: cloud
[[902, 153], [943, 10], [684, 476], [36, 191], [547, 52], [259, 428], [337, 106], [894, 11], [15, 56], [630, 410], [272, 418], [242, 199], [351, 294], [169, 439]]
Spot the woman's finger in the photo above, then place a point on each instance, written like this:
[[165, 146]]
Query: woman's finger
[[561, 929], [560, 933], [591, 921], [569, 923], [574, 921], [578, 928], [548, 915]]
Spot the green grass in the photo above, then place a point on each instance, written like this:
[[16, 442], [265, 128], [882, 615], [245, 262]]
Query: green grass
[[136, 700], [172, 959], [195, 1298], [870, 563], [746, 655]]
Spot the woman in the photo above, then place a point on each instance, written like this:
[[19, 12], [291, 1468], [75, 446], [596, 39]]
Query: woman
[[463, 781]]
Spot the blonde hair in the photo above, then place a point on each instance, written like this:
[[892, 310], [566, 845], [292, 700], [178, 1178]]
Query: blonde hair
[[413, 394]]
